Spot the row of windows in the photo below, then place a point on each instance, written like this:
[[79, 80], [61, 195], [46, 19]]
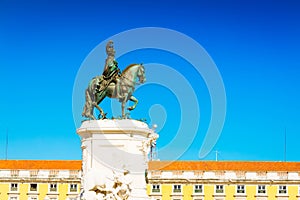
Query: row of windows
[[36, 198], [52, 173], [219, 189], [30, 198], [33, 187]]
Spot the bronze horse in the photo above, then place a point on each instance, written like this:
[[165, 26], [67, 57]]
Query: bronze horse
[[122, 89]]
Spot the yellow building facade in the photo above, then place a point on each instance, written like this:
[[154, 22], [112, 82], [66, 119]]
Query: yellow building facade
[[39, 180], [179, 180], [186, 180]]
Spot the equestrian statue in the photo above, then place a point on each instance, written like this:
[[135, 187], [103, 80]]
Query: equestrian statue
[[113, 84]]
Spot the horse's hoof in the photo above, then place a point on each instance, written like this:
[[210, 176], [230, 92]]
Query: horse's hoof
[[104, 116]]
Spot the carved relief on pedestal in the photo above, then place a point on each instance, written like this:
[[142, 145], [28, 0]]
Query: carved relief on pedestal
[[117, 187]]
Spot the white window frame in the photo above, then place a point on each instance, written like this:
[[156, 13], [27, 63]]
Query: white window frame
[[201, 188], [13, 197], [156, 188], [51, 187], [261, 189], [177, 187], [17, 188], [280, 188], [240, 189], [218, 188], [70, 187], [37, 187]]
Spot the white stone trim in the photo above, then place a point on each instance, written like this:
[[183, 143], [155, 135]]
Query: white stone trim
[[53, 192], [156, 193], [177, 193], [198, 194]]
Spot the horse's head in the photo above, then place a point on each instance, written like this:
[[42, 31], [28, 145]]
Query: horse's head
[[132, 72], [141, 73]]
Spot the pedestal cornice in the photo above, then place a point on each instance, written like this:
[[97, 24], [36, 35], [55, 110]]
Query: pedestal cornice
[[108, 126]]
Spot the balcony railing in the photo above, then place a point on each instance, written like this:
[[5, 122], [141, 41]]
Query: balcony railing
[[155, 190], [261, 191], [73, 190], [219, 191], [198, 190], [176, 190]]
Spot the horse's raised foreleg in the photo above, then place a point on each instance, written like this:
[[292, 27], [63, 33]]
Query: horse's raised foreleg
[[133, 99], [103, 115], [96, 104]]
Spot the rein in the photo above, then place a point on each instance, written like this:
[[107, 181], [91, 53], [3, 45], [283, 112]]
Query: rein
[[133, 82]]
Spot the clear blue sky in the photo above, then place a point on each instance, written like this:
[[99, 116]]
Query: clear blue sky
[[254, 44]]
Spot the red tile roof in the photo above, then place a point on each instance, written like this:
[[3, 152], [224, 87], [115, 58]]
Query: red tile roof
[[41, 164], [160, 165], [224, 166]]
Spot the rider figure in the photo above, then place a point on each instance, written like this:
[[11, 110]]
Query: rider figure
[[110, 60], [111, 70]]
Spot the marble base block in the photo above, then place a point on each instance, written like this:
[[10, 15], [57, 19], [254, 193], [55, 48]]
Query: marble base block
[[115, 158]]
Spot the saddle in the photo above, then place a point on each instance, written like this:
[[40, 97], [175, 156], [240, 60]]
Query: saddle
[[104, 81]]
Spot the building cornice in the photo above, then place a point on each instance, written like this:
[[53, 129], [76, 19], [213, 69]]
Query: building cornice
[[221, 181]]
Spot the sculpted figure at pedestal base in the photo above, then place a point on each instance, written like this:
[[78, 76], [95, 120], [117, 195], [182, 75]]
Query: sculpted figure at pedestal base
[[120, 189]]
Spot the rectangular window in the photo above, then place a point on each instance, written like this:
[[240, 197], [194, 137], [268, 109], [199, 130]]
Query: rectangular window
[[13, 198], [73, 173], [176, 188], [33, 187], [198, 189], [53, 173], [155, 188], [34, 173], [261, 189], [14, 173], [14, 187], [240, 189], [219, 189], [73, 187], [282, 189], [53, 187]]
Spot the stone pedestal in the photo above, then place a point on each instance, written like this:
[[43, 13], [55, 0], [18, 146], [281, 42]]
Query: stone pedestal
[[115, 152]]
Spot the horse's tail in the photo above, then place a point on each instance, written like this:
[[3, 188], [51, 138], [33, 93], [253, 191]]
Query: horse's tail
[[88, 97], [88, 106]]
